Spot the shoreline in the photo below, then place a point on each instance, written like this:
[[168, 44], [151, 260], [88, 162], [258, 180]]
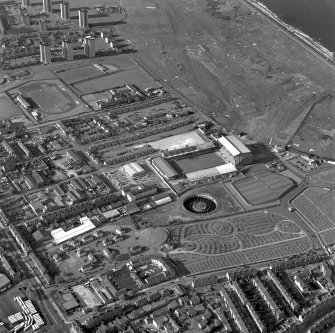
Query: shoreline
[[294, 33]]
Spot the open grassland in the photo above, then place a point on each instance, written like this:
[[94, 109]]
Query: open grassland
[[324, 177], [7, 108], [227, 63], [316, 134]]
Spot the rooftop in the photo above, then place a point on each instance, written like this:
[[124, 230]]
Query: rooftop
[[61, 236]]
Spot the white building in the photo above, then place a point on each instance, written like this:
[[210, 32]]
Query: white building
[[234, 151], [225, 169], [60, 236], [133, 169]]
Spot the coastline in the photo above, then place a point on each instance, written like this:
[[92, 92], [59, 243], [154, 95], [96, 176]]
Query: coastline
[[295, 33]]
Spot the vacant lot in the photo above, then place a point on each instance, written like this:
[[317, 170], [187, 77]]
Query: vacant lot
[[136, 76], [263, 187], [316, 134], [324, 178], [239, 70], [7, 108], [8, 306]]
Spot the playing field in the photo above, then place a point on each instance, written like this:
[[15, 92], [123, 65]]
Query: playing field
[[7, 108], [80, 73], [52, 98], [178, 141], [263, 187], [200, 162], [136, 76], [8, 306]]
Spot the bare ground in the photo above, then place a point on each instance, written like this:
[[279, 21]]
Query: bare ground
[[229, 62]]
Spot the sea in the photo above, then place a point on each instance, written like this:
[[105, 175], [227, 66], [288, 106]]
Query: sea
[[316, 18]]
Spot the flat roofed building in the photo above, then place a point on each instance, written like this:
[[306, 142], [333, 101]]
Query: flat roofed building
[[234, 151], [67, 50], [60, 236], [47, 6], [45, 53], [133, 169], [225, 169], [164, 168], [23, 102]]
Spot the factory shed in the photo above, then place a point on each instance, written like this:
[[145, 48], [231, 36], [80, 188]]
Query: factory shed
[[164, 168], [225, 169]]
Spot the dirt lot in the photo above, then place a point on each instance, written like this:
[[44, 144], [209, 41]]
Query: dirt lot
[[240, 70]]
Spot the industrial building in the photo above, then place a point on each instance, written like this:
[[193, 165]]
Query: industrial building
[[225, 169], [90, 47], [60, 235], [45, 53], [164, 168], [234, 151], [23, 102], [67, 50], [83, 18], [133, 169], [47, 6], [65, 10]]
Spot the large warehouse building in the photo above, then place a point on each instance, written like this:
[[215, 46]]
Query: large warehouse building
[[133, 169], [164, 168], [225, 169], [234, 151]]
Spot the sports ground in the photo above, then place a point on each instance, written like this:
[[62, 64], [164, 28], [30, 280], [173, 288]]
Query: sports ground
[[52, 98], [262, 188], [201, 162], [81, 73]]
